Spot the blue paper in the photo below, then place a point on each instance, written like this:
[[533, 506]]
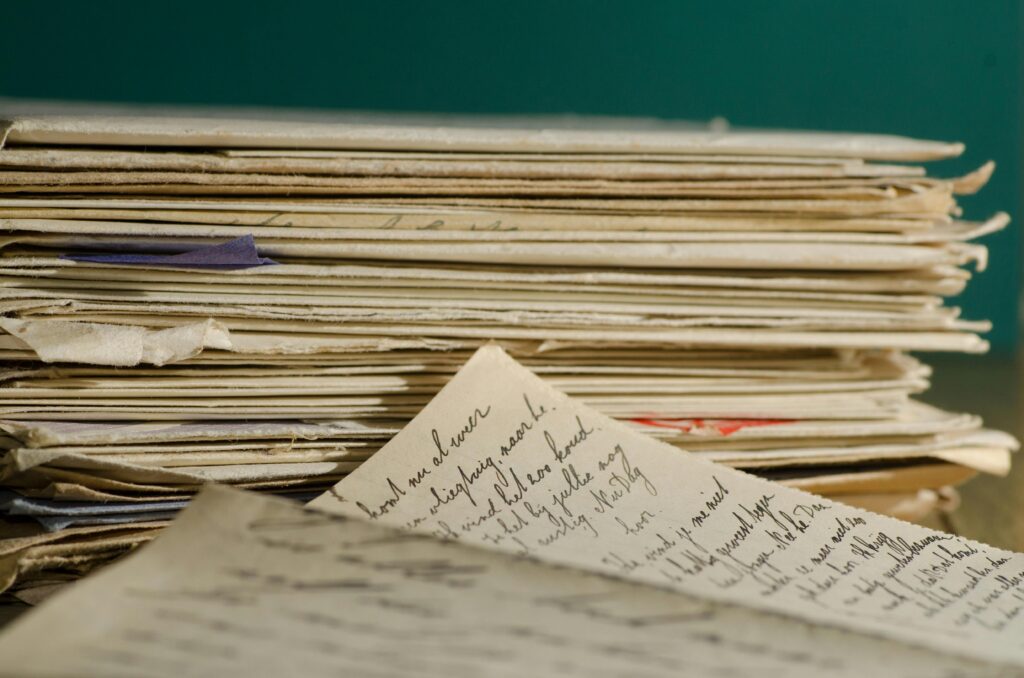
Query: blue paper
[[14, 504], [58, 523], [234, 254]]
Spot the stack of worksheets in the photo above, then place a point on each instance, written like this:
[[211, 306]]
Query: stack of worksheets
[[265, 304]]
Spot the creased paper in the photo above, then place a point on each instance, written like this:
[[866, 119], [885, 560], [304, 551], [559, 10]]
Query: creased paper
[[56, 341], [502, 460], [244, 586]]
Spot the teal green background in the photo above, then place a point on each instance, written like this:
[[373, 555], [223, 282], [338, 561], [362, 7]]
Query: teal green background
[[937, 69]]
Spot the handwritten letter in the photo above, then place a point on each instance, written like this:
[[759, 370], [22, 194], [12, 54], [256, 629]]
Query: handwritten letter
[[502, 460], [243, 585]]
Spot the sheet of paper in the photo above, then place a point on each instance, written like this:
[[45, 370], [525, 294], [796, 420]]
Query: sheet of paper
[[727, 159], [809, 366], [866, 404], [49, 434], [598, 311], [59, 341], [203, 182], [948, 280], [334, 214], [75, 548], [227, 133], [237, 253], [770, 256], [16, 283], [243, 585], [449, 165], [59, 335], [501, 459], [955, 231]]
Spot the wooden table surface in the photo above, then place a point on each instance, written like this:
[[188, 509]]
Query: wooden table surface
[[992, 510]]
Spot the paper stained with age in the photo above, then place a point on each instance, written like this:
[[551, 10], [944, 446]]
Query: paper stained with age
[[447, 134], [501, 459], [243, 585], [58, 341], [237, 253]]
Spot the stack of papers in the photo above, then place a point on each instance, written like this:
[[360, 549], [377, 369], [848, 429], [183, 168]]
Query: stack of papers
[[642, 561], [265, 304]]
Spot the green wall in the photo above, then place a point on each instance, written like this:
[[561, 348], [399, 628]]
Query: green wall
[[932, 68]]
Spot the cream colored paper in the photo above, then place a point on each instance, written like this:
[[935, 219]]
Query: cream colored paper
[[243, 586], [773, 256], [933, 280], [227, 133], [60, 341], [955, 231], [548, 166], [322, 182], [334, 214], [501, 459]]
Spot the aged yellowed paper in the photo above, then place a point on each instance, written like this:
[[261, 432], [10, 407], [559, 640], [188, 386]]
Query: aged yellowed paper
[[501, 459], [243, 585]]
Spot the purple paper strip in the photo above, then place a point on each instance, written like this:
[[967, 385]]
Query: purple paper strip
[[237, 253]]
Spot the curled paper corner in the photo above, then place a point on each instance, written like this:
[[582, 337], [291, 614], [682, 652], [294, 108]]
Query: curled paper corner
[[972, 182], [28, 434], [970, 253], [992, 460], [993, 224], [24, 459], [5, 131], [59, 341]]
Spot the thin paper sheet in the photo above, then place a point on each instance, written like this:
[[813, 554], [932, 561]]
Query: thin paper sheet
[[220, 133], [502, 460], [242, 585]]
